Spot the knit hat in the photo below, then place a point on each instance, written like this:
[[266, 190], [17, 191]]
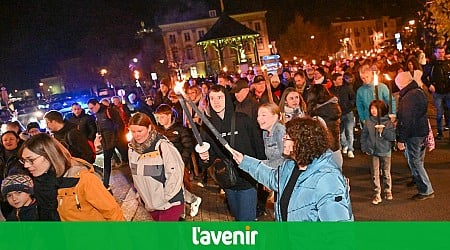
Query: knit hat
[[17, 182], [403, 79]]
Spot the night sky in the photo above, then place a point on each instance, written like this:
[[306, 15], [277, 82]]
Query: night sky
[[35, 35]]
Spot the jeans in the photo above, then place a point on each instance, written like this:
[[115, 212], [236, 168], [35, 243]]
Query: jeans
[[383, 163], [107, 156], [242, 203], [346, 129], [415, 154], [439, 101]]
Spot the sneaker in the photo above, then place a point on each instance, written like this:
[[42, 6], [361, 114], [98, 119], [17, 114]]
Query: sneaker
[[422, 197], [350, 155], [195, 206], [388, 196], [345, 150], [376, 200]]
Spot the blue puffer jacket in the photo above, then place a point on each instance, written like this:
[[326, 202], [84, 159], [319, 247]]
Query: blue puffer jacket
[[320, 193]]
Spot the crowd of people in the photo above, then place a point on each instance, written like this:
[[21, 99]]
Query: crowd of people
[[306, 121]]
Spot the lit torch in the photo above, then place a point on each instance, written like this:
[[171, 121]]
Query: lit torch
[[201, 145], [379, 126]]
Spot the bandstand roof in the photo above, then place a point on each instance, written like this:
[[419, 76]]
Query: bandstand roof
[[227, 27]]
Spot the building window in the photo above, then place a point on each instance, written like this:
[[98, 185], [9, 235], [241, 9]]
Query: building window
[[187, 37], [247, 47], [260, 41], [189, 53], [201, 33], [172, 38], [357, 43], [257, 27], [175, 55]]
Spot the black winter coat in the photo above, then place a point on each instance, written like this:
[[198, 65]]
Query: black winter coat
[[86, 124], [25, 213], [412, 118], [331, 113], [108, 125], [75, 142], [46, 192], [181, 138], [437, 73], [346, 97]]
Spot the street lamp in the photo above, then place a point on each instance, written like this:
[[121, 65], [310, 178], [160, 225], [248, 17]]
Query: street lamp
[[137, 75], [103, 72]]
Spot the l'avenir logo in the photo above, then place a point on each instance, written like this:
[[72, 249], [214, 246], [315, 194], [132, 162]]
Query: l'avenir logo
[[215, 237]]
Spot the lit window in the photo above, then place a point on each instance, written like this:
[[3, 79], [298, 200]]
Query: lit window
[[172, 39], [259, 40], [187, 36], [257, 27]]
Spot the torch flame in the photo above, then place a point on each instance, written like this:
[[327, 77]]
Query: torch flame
[[178, 89], [375, 78]]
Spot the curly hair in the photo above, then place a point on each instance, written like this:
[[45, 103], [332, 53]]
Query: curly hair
[[310, 138]]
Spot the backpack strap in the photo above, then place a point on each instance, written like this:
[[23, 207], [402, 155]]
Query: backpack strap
[[108, 114], [233, 129]]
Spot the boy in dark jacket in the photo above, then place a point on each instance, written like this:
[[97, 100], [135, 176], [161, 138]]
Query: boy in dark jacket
[[18, 190]]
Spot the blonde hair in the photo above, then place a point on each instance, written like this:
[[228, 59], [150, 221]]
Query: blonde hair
[[51, 149], [273, 108]]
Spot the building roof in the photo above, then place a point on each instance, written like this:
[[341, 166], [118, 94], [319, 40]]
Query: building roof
[[225, 27]]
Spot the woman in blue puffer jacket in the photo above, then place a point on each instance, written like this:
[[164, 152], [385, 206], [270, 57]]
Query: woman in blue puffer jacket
[[310, 183]]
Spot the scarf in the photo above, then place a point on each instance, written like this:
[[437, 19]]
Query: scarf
[[140, 148]]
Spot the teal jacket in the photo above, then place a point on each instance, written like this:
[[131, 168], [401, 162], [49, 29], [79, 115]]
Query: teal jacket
[[320, 194], [365, 95]]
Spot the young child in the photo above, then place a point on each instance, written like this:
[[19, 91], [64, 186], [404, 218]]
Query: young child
[[376, 140], [18, 190]]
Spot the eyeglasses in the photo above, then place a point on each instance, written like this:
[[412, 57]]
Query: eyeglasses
[[29, 161]]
